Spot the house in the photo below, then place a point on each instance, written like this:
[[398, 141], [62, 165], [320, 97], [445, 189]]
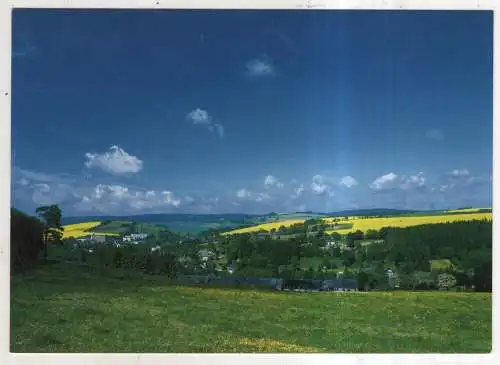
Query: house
[[84, 238], [332, 244], [205, 254], [135, 237], [98, 238]]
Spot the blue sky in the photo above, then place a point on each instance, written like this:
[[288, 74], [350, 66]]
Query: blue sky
[[124, 112]]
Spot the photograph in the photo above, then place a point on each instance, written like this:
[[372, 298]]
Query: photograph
[[251, 181]]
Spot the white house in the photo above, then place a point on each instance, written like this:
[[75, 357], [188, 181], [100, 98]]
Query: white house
[[135, 237]]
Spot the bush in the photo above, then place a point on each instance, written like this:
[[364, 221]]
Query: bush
[[26, 240]]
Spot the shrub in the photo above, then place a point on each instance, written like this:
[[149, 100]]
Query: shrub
[[26, 240]]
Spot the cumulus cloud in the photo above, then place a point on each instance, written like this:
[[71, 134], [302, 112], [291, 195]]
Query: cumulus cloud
[[27, 175], [348, 182], [270, 181], [23, 181], [434, 134], [201, 117], [46, 194], [219, 129], [243, 193], [168, 197], [262, 197], [384, 182], [115, 161], [459, 173], [260, 67], [413, 182], [445, 187], [318, 185], [297, 192], [115, 198]]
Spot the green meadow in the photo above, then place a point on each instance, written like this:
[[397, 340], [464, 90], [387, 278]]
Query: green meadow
[[64, 308]]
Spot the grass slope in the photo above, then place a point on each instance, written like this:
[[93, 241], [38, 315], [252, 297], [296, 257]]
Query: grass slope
[[60, 308]]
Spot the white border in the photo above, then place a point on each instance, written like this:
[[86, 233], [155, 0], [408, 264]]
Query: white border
[[123, 359]]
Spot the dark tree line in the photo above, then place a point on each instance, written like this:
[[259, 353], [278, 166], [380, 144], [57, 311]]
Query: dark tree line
[[26, 240], [31, 236]]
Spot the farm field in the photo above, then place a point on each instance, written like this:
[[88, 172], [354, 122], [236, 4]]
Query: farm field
[[441, 264], [62, 308], [265, 226], [78, 229], [358, 223], [116, 227], [378, 223]]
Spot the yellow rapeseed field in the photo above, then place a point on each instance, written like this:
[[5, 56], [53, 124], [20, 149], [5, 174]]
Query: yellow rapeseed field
[[78, 229], [266, 226], [371, 223], [378, 223]]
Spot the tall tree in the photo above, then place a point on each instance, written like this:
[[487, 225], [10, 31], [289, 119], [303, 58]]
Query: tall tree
[[52, 229]]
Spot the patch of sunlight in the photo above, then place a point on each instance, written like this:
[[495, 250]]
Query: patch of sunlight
[[270, 345]]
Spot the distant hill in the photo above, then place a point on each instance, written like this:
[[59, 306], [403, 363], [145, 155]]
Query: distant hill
[[372, 212], [180, 223], [162, 218], [235, 218]]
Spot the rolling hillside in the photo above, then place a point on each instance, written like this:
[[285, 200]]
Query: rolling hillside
[[364, 224]]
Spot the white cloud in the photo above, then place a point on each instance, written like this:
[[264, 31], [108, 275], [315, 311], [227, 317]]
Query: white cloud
[[243, 194], [318, 186], [23, 181], [260, 67], [44, 188], [348, 181], [459, 173], [115, 161], [478, 180], [219, 128], [384, 182], [200, 116], [297, 192], [445, 187], [119, 199], [413, 182], [434, 134], [263, 197], [45, 194], [169, 198], [270, 181], [37, 176]]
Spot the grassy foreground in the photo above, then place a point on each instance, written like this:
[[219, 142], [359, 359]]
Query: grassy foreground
[[59, 308]]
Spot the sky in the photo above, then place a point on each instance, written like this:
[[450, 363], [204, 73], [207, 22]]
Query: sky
[[132, 112]]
